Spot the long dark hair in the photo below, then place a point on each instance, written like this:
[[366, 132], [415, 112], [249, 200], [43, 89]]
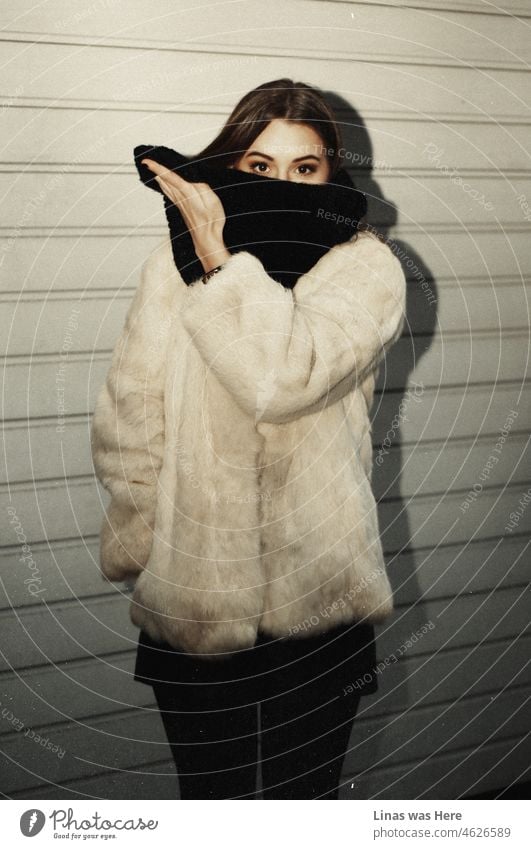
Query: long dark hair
[[283, 99]]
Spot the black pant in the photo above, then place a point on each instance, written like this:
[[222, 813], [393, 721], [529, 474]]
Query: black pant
[[210, 716]]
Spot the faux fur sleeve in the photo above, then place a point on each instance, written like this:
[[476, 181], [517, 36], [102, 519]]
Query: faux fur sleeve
[[282, 352], [127, 431]]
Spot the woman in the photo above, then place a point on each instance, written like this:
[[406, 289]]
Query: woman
[[234, 437]]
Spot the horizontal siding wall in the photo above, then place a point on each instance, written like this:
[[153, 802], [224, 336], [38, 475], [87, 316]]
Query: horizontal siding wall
[[421, 89]]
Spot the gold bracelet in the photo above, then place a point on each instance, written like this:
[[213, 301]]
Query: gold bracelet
[[206, 277]]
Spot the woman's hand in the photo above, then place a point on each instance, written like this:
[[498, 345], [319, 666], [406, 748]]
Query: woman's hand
[[201, 210]]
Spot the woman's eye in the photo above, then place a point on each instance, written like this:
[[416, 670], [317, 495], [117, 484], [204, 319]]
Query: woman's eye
[[259, 166], [307, 169]]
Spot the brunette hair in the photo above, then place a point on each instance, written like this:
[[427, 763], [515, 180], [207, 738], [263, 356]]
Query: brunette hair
[[283, 99]]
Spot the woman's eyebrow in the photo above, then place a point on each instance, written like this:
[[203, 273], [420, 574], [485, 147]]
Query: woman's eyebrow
[[257, 153], [271, 158]]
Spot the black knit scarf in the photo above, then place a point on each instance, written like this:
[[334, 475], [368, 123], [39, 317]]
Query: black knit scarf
[[288, 226]]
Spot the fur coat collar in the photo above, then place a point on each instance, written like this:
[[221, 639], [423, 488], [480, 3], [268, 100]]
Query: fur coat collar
[[233, 436]]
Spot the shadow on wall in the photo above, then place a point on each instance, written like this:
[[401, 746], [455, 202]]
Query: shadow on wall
[[397, 379]]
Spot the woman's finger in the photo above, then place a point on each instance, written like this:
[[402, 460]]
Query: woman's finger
[[166, 173], [202, 190], [197, 196], [180, 199], [170, 191], [197, 202]]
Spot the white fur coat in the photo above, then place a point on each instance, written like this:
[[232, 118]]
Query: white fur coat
[[233, 435]]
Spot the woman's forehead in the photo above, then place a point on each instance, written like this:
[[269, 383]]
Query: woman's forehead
[[285, 138]]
